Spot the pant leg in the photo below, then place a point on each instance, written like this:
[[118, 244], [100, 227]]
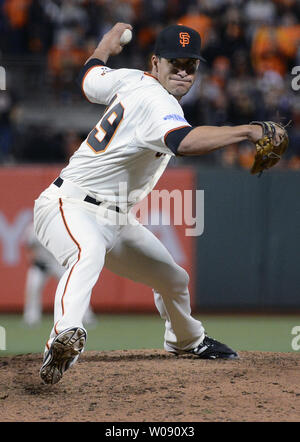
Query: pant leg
[[56, 270], [73, 233], [140, 256]]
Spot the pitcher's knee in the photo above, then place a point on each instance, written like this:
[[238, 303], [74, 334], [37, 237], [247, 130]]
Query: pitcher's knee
[[176, 281], [182, 280], [94, 257], [90, 258]]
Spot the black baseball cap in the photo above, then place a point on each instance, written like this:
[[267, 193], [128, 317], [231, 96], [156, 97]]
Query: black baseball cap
[[178, 41]]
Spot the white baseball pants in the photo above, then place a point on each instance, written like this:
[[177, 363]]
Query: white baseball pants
[[36, 280], [84, 238]]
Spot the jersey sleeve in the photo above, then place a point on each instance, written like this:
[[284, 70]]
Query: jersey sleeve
[[100, 83], [159, 120]]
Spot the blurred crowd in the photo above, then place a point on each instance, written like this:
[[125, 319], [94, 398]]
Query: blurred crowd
[[251, 48]]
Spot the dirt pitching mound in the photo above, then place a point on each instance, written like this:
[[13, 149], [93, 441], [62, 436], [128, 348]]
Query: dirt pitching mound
[[153, 386]]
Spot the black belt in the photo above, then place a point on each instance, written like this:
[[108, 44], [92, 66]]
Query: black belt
[[58, 182]]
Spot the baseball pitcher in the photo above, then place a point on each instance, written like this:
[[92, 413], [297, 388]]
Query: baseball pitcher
[[84, 217]]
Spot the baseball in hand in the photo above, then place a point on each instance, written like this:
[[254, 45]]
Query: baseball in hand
[[125, 37]]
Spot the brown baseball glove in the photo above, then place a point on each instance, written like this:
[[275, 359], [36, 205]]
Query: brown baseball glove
[[270, 147]]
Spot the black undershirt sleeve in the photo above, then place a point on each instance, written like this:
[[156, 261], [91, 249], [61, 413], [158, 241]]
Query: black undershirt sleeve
[[86, 67], [174, 138]]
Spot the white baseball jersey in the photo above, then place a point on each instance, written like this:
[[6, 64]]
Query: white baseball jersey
[[128, 143]]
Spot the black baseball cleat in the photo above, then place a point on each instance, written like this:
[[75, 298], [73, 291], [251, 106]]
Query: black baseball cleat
[[211, 349], [63, 353]]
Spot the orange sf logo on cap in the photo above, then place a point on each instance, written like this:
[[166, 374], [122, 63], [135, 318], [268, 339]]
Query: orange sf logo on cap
[[184, 38]]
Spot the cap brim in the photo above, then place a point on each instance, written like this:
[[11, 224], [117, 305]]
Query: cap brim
[[177, 55]]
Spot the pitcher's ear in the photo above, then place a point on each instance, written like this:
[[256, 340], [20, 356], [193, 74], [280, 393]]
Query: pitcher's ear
[[154, 61]]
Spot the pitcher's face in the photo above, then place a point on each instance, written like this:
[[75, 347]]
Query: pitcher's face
[[176, 75]]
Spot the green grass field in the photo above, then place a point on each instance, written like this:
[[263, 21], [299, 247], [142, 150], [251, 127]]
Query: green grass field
[[113, 332]]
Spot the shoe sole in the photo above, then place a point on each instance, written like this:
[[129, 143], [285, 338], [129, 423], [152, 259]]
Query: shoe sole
[[65, 350]]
